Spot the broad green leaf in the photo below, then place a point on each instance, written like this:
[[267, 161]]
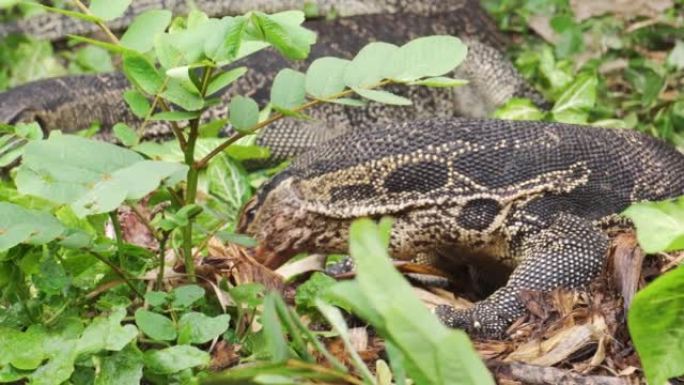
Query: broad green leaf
[[137, 102], [576, 100], [185, 296], [243, 113], [660, 225], [519, 109], [325, 77], [141, 33], [121, 368], [92, 176], [225, 79], [32, 351], [175, 359], [369, 66], [154, 325], [440, 82], [383, 97], [201, 328], [238, 239], [656, 325], [175, 116], [126, 135], [250, 294], [425, 57], [109, 9], [288, 90], [434, 354], [229, 183], [129, 183], [59, 368], [306, 293], [94, 59], [156, 298], [20, 225], [177, 93], [232, 40], [52, 278], [350, 102], [676, 57], [273, 331], [285, 34], [239, 152], [106, 333], [143, 73]]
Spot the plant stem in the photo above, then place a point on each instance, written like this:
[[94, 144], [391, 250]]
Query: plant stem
[[162, 259], [103, 26], [117, 270], [238, 135], [192, 178], [118, 233]]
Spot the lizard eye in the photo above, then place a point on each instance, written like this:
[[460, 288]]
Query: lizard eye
[[247, 216]]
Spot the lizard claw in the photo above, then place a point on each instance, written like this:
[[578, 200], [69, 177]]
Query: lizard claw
[[482, 320]]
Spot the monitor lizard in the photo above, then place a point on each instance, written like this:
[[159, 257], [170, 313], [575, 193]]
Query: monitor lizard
[[534, 197]]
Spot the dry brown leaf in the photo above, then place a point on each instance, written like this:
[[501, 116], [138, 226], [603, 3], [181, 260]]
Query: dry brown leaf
[[627, 9]]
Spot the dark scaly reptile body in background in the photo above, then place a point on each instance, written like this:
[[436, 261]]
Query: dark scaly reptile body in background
[[54, 26], [72, 103], [532, 196]]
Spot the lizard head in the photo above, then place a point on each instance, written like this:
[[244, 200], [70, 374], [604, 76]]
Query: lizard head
[[280, 222]]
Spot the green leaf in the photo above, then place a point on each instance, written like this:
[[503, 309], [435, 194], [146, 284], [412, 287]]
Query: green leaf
[[143, 73], [109, 9], [229, 183], [572, 105], [656, 325], [383, 97], [126, 135], [106, 333], [243, 113], [121, 368], [52, 278], [155, 325], [138, 103], [185, 296], [425, 57], [433, 353], [273, 331], [285, 34], [113, 48], [250, 294], [225, 79], [288, 90], [180, 94], [676, 58], [156, 298], [659, 225], [20, 225], [325, 77], [519, 109], [175, 359], [440, 82], [202, 328], [130, 183], [32, 352], [306, 294], [238, 239], [94, 59], [369, 66], [146, 26], [92, 176], [175, 116]]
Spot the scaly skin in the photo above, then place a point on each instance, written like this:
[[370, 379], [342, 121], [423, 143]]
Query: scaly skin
[[73, 103], [54, 26], [528, 196]]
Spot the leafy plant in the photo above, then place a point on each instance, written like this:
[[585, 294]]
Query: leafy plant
[[64, 239]]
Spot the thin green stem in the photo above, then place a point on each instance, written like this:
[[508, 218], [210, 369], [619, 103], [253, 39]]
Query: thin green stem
[[162, 260], [192, 178], [110, 35], [118, 233], [122, 274], [238, 135]]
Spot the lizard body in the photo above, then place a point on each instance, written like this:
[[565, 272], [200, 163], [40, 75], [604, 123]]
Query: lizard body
[[529, 196]]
